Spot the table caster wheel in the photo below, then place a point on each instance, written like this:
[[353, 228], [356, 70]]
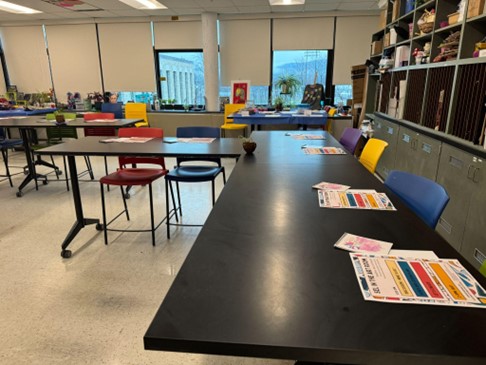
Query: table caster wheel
[[19, 194], [127, 195], [45, 182], [66, 254], [99, 227]]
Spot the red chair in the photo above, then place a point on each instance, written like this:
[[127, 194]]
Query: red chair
[[129, 176], [100, 131]]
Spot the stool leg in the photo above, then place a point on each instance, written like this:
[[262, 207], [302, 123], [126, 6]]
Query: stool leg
[[212, 190], [5, 159], [167, 217], [103, 209], [179, 197], [174, 202], [124, 203], [152, 214], [106, 171]]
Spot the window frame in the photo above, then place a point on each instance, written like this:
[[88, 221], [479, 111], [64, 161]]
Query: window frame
[[157, 65]]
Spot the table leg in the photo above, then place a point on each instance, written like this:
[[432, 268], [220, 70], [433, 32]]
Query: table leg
[[81, 222], [32, 174]]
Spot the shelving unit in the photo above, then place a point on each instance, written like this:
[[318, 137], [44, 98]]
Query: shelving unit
[[436, 83], [440, 134]]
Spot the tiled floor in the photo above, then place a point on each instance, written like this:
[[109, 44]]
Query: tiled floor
[[95, 307]]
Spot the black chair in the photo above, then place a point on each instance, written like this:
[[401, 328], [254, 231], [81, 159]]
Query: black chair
[[185, 172], [5, 145]]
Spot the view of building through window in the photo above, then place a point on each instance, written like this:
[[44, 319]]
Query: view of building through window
[[182, 77]]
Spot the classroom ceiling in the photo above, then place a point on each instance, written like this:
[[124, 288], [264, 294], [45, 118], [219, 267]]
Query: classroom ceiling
[[116, 9]]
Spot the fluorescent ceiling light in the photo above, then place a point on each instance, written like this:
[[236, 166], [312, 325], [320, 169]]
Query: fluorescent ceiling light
[[286, 2], [16, 9], [144, 4]]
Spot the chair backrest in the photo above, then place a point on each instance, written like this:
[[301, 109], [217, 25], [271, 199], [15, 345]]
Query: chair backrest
[[94, 116], [99, 131], [371, 154], [202, 132], [425, 197], [52, 116], [141, 132], [230, 109], [115, 108], [60, 132], [350, 139], [136, 110]]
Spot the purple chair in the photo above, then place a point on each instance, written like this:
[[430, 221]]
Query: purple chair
[[350, 139]]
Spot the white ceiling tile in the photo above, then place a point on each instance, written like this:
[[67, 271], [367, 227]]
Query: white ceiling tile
[[356, 6], [254, 9]]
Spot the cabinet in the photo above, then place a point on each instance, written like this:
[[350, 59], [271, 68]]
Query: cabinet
[[417, 154], [388, 132], [463, 222]]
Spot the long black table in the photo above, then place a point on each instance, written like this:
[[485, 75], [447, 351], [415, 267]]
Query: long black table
[[263, 279], [91, 146], [28, 123]]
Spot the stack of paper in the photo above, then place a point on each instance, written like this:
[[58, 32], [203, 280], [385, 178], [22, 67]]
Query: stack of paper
[[354, 199], [417, 281], [353, 243], [323, 151]]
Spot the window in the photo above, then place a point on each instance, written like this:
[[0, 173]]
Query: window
[[304, 65], [342, 93], [181, 76], [136, 97]]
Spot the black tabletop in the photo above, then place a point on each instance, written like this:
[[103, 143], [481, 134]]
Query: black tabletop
[[263, 278], [94, 146], [40, 122]]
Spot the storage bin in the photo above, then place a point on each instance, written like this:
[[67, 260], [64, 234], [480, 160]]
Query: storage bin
[[453, 18], [475, 8]]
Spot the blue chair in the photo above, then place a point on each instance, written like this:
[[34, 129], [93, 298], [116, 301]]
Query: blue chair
[[5, 145], [424, 197], [115, 108], [192, 173], [350, 139]]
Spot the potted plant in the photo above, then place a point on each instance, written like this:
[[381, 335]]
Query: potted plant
[[278, 102], [60, 119], [249, 145], [288, 84]]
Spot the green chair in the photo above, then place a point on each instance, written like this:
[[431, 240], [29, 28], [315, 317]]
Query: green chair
[[482, 270], [59, 134]]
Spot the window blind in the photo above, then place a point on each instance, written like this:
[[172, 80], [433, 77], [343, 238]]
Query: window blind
[[73, 51], [245, 51], [178, 35], [127, 56], [303, 33], [23, 48]]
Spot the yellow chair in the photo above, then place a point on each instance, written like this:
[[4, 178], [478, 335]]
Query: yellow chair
[[482, 270], [137, 110], [371, 154], [228, 122]]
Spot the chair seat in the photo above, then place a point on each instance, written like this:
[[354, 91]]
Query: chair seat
[[194, 173], [136, 176], [141, 124], [9, 143], [234, 126]]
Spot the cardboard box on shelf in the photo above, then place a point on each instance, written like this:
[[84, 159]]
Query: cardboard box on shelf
[[386, 40], [382, 22], [396, 10], [358, 74], [475, 8], [376, 47], [402, 54]]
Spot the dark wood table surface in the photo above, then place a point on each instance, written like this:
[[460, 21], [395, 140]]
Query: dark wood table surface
[[95, 146], [263, 278], [26, 124]]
